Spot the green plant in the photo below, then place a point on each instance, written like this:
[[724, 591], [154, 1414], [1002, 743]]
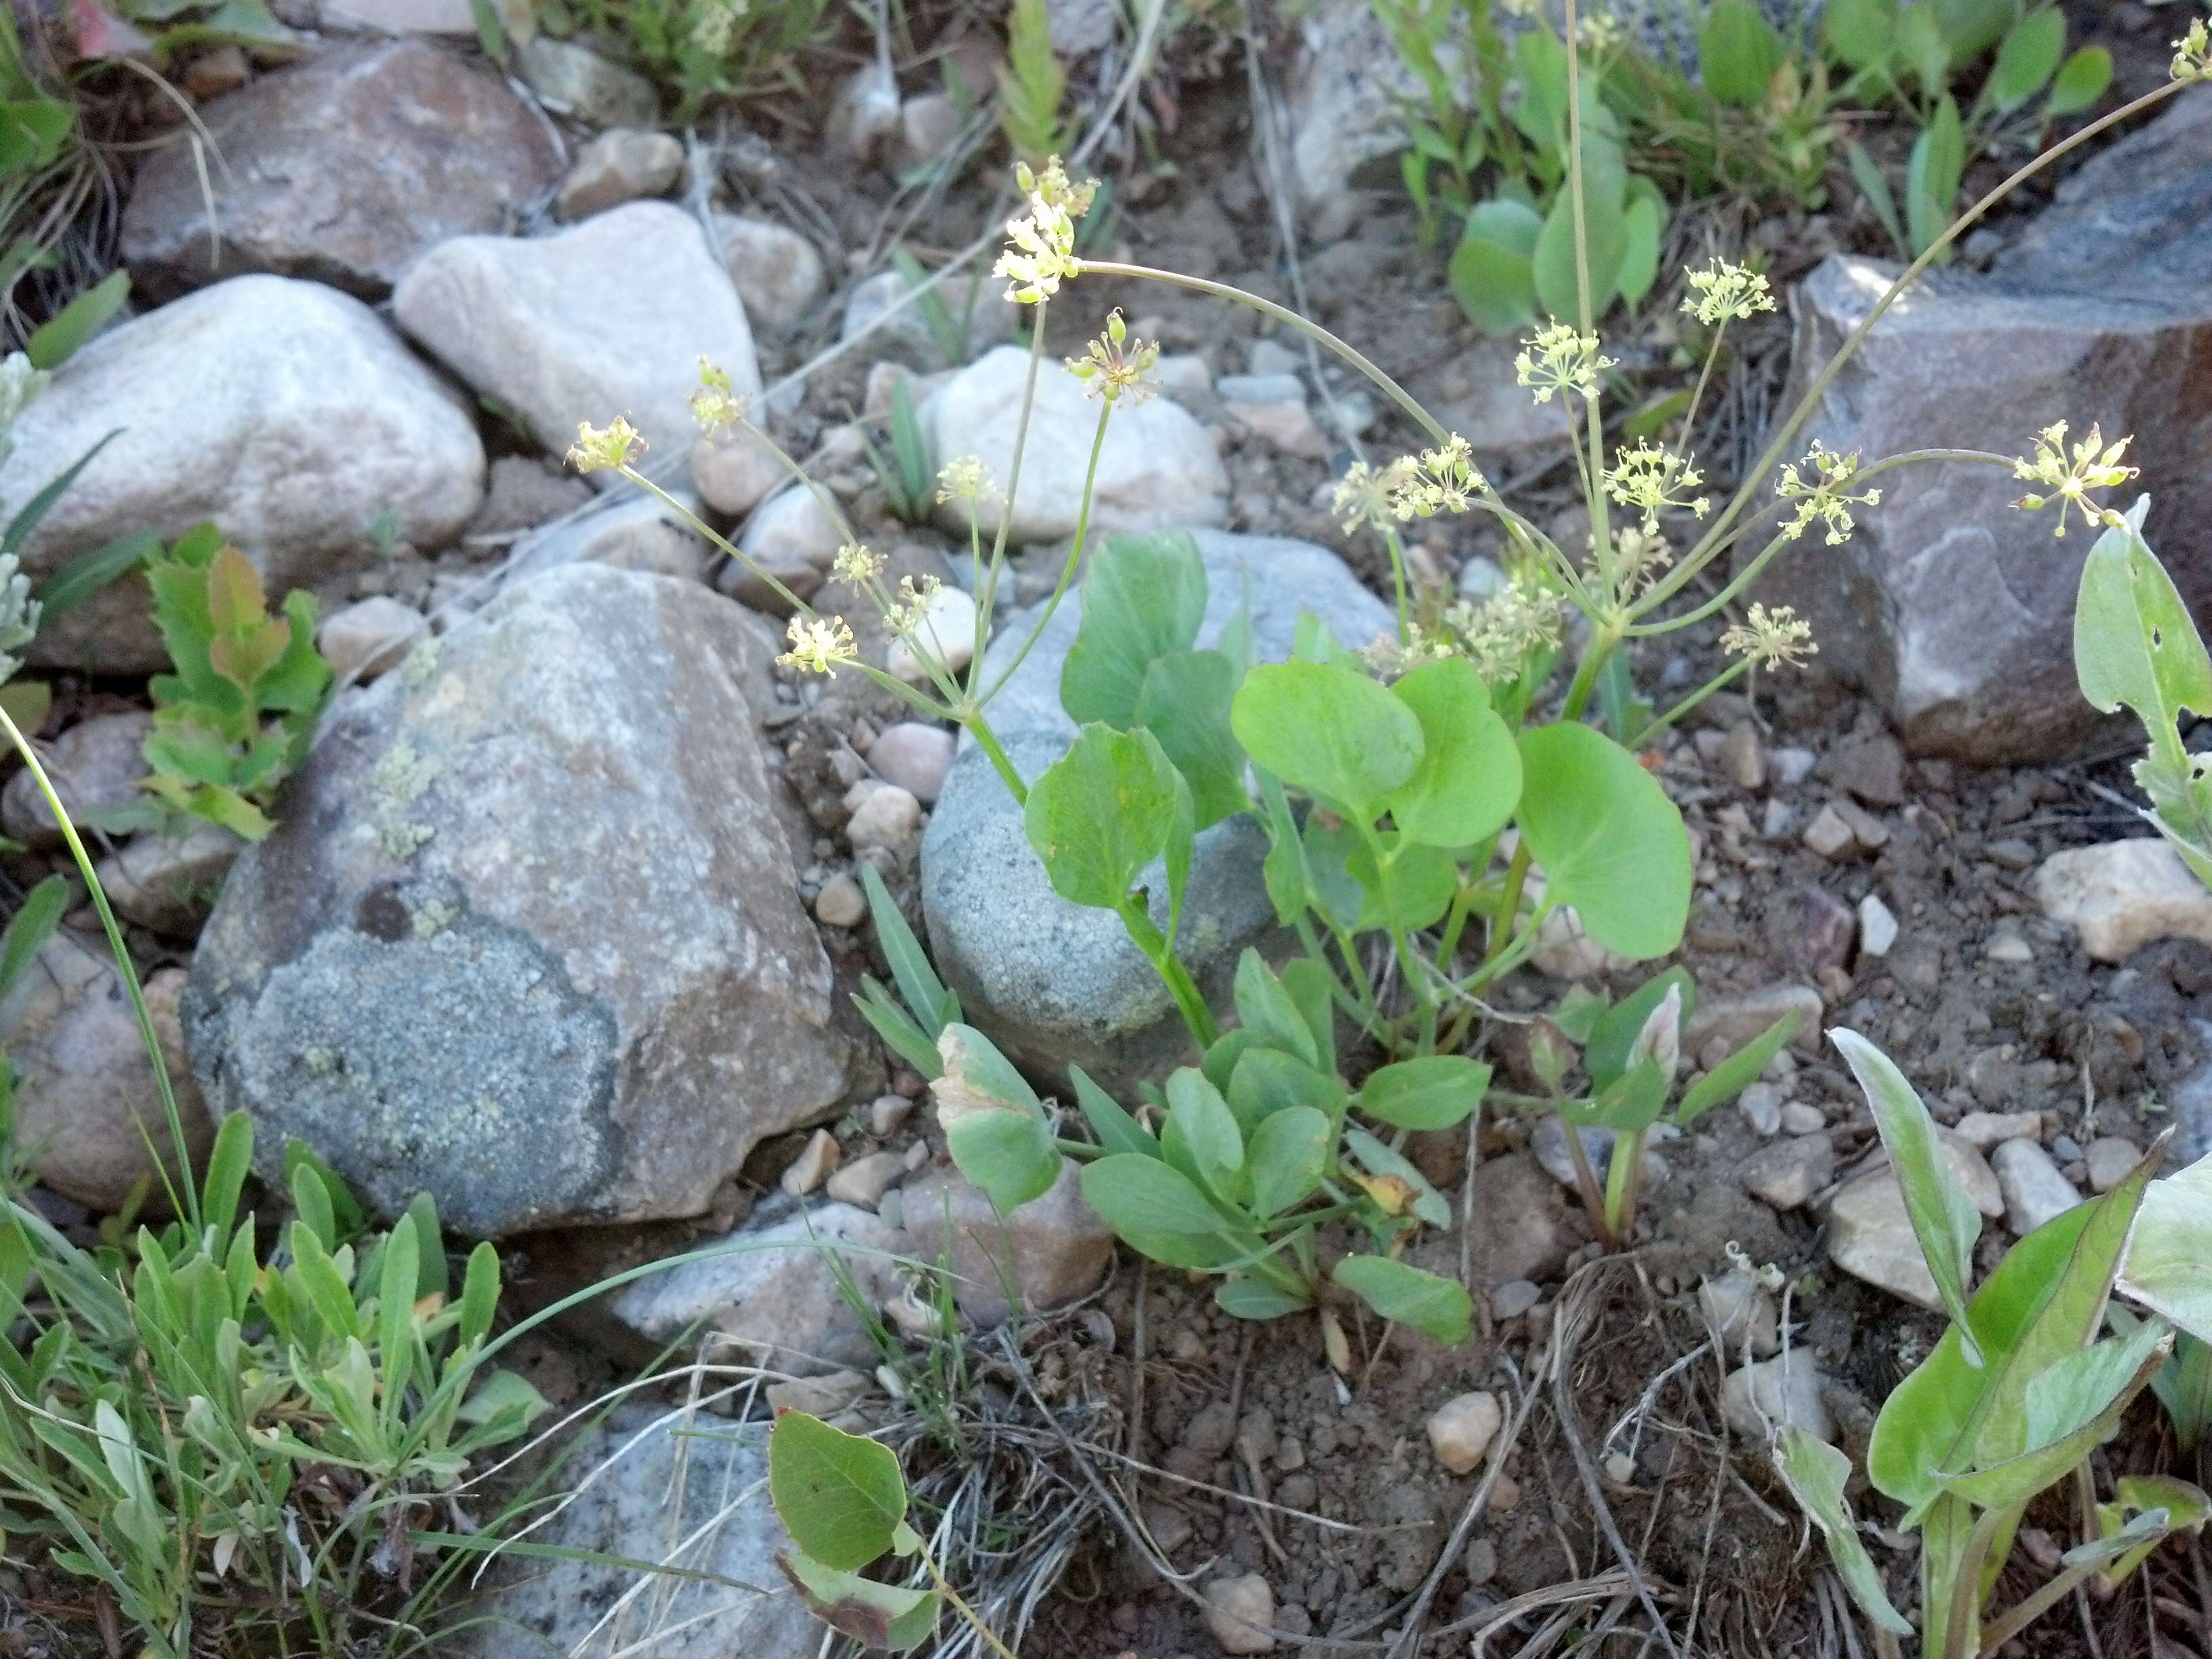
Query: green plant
[[233, 721], [843, 1500], [1419, 796], [906, 476], [2014, 1399], [1911, 54], [1032, 86], [1756, 120], [1631, 1052]]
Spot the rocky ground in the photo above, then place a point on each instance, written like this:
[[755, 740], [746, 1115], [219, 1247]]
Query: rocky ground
[[563, 916]]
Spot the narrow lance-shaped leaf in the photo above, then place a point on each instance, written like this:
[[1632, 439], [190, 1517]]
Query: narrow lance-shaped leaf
[[1944, 1218], [1816, 1473]]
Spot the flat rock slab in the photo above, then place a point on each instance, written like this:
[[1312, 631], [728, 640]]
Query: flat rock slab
[[527, 935], [345, 169], [610, 317], [1952, 608], [286, 412]]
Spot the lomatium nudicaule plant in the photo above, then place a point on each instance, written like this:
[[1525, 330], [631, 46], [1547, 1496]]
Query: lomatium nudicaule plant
[[1437, 809]]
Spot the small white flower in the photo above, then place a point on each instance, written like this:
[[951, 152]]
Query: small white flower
[[2094, 465], [1557, 358], [1823, 494], [819, 645], [1776, 636], [1723, 293]]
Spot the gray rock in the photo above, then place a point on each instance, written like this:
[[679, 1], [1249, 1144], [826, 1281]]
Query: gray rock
[[1760, 1400], [1347, 95], [344, 168], [1078, 27], [1948, 605], [980, 312], [1046, 1253], [168, 881], [565, 328], [777, 270], [929, 124], [2123, 895], [369, 637], [1054, 983], [576, 81], [618, 166], [735, 474], [1984, 1131], [1737, 1018], [1159, 469], [284, 411], [1240, 1613], [866, 1180], [914, 756], [394, 17], [792, 532], [2111, 1160], [94, 766], [84, 1086], [774, 1295], [1476, 393], [650, 1489], [629, 530], [1741, 1310], [526, 935], [1877, 926], [1870, 1235], [1787, 1174], [2034, 1189]]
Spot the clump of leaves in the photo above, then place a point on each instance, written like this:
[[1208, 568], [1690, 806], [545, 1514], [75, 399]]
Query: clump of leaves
[[1631, 1052], [233, 721], [906, 478], [221, 1435], [2020, 1390], [1913, 53]]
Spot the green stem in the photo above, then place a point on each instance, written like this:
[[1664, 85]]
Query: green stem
[[1397, 581], [1586, 1179], [1593, 483], [1622, 1178], [1066, 571], [190, 1206], [1728, 676], [960, 1606], [988, 741], [1410, 965], [989, 595], [1159, 950], [1517, 873]]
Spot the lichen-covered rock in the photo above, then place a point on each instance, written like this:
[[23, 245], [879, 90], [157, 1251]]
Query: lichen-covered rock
[[1054, 983], [527, 936], [285, 411], [343, 168]]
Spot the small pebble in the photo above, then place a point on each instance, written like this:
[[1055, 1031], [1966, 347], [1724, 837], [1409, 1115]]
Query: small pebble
[[866, 1180], [886, 1112], [1514, 1298], [1801, 1117], [1621, 1469], [841, 903], [887, 816], [1791, 766], [1742, 759], [2008, 947], [2111, 1160], [914, 757], [1877, 926], [812, 1167], [1761, 1106], [1239, 1613], [1461, 1429], [1830, 836], [1480, 1561]]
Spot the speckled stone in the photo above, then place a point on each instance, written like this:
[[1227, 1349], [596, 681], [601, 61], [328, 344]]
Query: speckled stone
[[527, 935]]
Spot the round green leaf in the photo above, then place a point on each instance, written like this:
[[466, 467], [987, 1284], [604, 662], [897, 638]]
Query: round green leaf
[[1493, 269], [1289, 1150], [1433, 1092], [1329, 730], [1435, 1306], [1469, 776], [1610, 843], [839, 1495], [1101, 813], [1159, 1212]]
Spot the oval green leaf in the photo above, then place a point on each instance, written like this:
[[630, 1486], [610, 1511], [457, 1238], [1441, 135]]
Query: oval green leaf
[[1469, 779], [1610, 843]]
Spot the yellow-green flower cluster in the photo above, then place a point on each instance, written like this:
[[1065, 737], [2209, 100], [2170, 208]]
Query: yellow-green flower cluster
[[2068, 479], [1501, 632], [856, 566], [605, 448], [819, 645], [1558, 358], [965, 478], [714, 25], [905, 613], [2193, 53], [718, 407], [1115, 368], [1778, 636], [1444, 479], [1723, 293], [1041, 252], [1820, 484], [1650, 479]]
